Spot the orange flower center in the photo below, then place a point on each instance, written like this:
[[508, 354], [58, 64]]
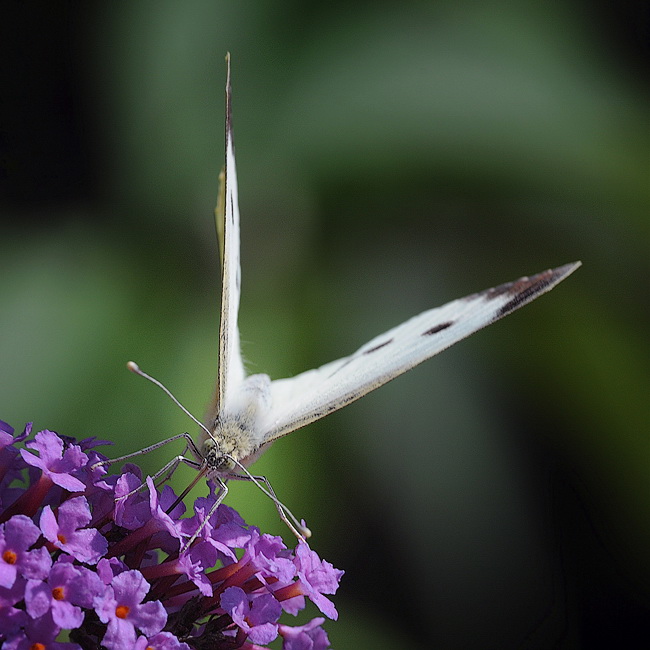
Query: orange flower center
[[61, 538], [58, 593], [122, 611], [10, 557]]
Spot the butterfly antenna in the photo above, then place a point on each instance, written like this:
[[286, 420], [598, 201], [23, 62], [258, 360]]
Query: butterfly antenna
[[299, 530], [135, 368]]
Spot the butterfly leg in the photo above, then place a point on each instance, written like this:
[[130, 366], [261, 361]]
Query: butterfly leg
[[221, 495], [168, 470], [189, 444], [297, 528]]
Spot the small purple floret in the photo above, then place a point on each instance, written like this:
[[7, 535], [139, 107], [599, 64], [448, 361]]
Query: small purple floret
[[16, 536], [122, 608], [67, 589], [55, 462], [305, 637], [317, 577], [256, 617], [69, 532]]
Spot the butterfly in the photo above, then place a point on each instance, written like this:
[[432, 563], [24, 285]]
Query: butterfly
[[250, 412]]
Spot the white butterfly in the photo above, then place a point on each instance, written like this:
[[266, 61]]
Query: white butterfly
[[251, 412]]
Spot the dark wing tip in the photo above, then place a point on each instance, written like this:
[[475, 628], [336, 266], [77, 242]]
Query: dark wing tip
[[525, 289]]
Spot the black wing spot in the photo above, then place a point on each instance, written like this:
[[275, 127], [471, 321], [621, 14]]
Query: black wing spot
[[378, 346], [438, 328], [232, 210]]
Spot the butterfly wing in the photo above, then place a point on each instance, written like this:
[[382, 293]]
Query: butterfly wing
[[313, 394], [231, 367]]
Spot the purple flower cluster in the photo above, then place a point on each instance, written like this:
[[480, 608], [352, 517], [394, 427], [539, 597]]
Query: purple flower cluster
[[88, 562]]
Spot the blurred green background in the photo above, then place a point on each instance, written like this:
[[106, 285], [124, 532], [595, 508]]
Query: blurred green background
[[391, 157]]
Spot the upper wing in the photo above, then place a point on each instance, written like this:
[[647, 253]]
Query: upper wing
[[313, 394], [231, 367]]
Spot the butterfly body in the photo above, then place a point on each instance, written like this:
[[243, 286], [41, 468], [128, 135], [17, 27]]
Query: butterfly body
[[250, 413]]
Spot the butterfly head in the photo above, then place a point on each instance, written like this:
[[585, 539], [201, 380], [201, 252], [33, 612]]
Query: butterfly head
[[216, 460]]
